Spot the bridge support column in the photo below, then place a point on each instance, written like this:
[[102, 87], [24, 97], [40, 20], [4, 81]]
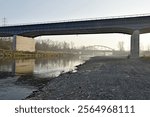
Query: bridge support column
[[14, 43], [134, 51]]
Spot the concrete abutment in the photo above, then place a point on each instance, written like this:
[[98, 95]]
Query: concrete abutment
[[21, 43]]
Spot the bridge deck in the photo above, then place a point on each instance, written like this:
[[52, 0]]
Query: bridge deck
[[114, 25]]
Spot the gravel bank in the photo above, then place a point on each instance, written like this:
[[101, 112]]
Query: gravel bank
[[101, 78]]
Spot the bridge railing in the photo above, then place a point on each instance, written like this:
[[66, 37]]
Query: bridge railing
[[86, 19]]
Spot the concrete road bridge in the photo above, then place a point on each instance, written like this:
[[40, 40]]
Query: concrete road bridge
[[132, 25]]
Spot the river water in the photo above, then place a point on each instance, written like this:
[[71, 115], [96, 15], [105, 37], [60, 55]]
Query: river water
[[19, 78]]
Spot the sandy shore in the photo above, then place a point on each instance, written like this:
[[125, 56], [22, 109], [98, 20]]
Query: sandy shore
[[101, 78]]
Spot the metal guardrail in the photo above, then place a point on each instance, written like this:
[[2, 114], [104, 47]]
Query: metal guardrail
[[86, 19]]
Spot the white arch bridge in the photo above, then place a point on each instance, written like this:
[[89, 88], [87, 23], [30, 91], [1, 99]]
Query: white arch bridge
[[96, 50], [101, 50]]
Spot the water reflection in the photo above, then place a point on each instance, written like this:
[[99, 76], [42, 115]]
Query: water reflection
[[54, 67], [23, 66], [6, 66], [41, 67], [24, 76]]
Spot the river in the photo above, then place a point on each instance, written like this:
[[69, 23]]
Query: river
[[19, 78]]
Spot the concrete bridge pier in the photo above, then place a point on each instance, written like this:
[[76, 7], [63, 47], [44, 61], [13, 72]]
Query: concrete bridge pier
[[14, 43], [134, 51]]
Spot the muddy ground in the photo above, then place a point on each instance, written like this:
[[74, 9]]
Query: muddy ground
[[101, 78]]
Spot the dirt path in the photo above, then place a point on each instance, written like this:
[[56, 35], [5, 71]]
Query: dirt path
[[101, 78]]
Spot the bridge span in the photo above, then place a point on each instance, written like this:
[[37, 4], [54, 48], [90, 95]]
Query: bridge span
[[133, 26]]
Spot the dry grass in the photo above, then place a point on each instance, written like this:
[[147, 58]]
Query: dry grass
[[22, 54]]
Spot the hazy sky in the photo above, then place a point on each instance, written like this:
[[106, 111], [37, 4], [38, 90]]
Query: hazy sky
[[30, 11]]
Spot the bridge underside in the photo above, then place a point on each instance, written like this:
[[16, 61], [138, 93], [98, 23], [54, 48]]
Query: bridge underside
[[70, 32]]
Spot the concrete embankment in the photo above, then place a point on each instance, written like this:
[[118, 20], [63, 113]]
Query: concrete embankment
[[101, 78]]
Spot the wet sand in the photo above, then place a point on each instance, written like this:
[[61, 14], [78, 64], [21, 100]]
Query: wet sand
[[100, 78]]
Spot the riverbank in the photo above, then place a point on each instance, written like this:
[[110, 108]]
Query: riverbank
[[101, 78], [8, 54]]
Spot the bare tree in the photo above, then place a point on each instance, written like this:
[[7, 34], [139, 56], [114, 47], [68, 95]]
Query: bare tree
[[121, 45], [148, 48], [6, 43], [72, 45], [49, 45]]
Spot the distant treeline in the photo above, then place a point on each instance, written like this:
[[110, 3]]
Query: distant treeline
[[49, 45]]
